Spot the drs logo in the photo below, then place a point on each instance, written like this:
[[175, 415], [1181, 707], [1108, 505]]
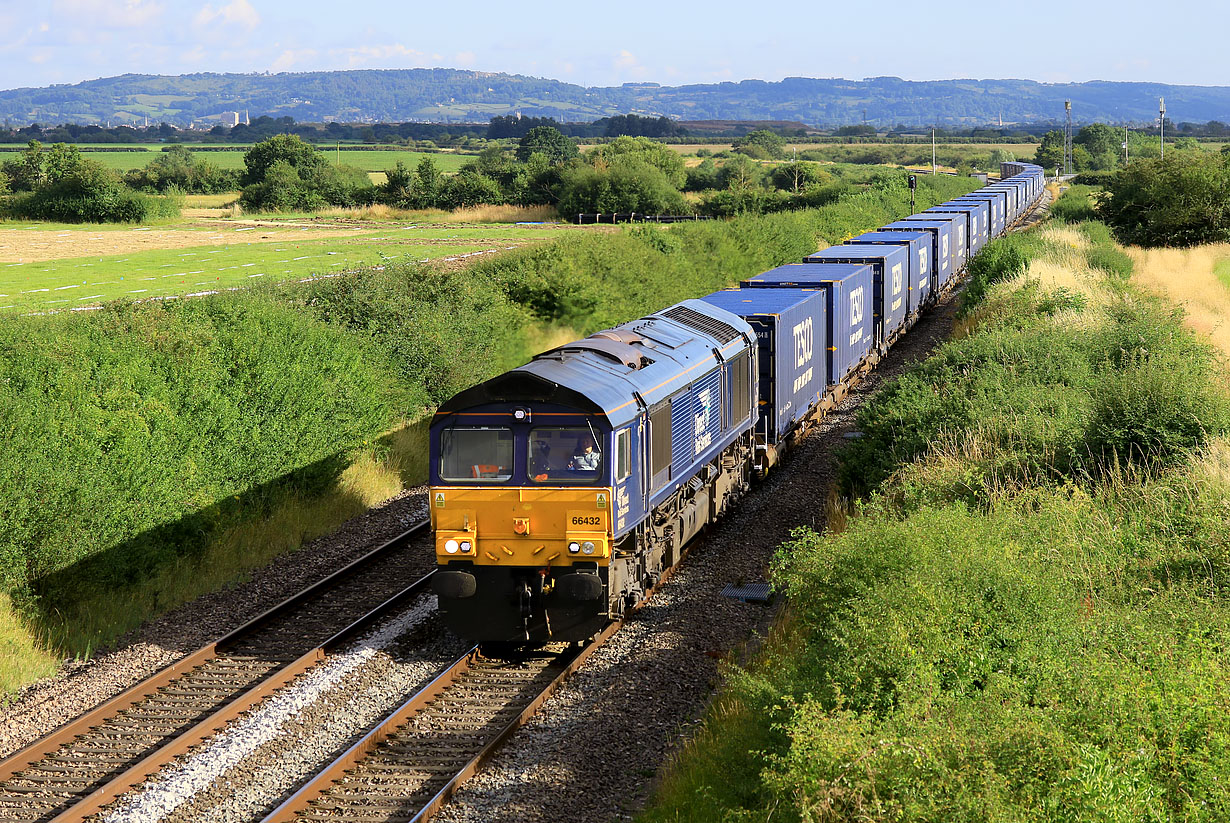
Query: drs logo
[[922, 260], [802, 343], [856, 307], [944, 255], [897, 278]]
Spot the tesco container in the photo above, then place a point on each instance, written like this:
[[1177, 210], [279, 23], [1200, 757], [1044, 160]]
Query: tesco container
[[921, 246], [848, 298], [997, 203], [890, 266], [791, 328], [948, 256], [978, 221]]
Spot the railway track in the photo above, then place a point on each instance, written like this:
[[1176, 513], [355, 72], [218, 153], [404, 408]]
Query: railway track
[[407, 766], [75, 771], [403, 769]]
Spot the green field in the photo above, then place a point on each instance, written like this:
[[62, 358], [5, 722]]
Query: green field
[[366, 159], [82, 281]]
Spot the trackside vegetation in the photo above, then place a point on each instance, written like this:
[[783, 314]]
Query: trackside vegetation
[[156, 450], [1024, 615]]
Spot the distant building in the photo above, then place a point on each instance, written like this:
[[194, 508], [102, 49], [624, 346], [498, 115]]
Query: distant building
[[229, 118]]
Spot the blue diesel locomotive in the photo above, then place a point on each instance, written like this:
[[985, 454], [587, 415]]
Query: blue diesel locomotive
[[563, 489]]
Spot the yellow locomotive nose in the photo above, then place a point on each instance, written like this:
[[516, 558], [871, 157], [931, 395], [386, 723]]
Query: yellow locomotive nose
[[521, 525]]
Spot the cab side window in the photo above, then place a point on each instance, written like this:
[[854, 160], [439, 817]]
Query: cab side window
[[623, 454]]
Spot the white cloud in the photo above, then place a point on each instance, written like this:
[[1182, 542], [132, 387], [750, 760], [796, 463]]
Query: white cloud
[[236, 12], [290, 58], [393, 53], [124, 14]]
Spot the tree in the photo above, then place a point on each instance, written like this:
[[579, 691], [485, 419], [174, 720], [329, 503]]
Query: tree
[[284, 148], [4, 184], [648, 151], [856, 131], [1104, 144], [627, 184], [796, 177], [26, 171], [1050, 153], [772, 144], [739, 173], [549, 142], [1182, 201]]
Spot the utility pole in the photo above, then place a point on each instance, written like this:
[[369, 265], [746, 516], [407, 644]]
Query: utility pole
[[1125, 148], [933, 152], [1161, 123], [1067, 138]]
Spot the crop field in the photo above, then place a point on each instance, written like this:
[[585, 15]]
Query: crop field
[[55, 267], [369, 160]]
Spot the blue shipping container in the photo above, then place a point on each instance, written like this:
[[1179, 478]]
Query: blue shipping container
[[847, 290], [949, 255], [997, 201], [921, 246], [979, 217], [890, 265], [791, 328]]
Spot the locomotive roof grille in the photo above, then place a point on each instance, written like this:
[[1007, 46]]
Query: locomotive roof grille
[[724, 332]]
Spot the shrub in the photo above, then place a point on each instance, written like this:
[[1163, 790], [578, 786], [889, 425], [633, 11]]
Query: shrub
[[89, 193], [1074, 205], [628, 184], [1182, 201]]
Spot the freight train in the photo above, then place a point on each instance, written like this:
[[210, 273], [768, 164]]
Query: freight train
[[562, 490]]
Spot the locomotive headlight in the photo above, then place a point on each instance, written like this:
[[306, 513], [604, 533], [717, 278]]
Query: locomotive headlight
[[466, 545], [588, 547], [574, 547], [450, 546]]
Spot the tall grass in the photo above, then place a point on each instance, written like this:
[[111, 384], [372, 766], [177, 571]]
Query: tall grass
[[1194, 278], [1025, 616]]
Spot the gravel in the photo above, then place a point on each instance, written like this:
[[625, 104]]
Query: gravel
[[594, 749], [81, 685], [249, 766]]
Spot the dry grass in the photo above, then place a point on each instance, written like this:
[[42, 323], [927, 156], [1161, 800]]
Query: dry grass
[[23, 659], [473, 214], [1190, 278]]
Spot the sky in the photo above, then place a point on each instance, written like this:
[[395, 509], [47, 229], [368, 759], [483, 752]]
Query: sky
[[608, 43]]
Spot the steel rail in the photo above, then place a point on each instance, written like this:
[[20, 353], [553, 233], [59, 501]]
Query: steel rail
[[316, 788], [105, 792]]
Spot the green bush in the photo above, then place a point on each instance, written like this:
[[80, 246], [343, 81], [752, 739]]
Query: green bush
[[131, 431], [1074, 205], [1001, 259], [285, 174], [90, 193], [1182, 201]]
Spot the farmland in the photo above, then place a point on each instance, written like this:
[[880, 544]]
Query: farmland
[[372, 160], [54, 267]]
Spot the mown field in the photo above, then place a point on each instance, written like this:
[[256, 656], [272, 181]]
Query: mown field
[[50, 273], [1027, 616]]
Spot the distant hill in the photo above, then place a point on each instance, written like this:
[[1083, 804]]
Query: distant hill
[[450, 95]]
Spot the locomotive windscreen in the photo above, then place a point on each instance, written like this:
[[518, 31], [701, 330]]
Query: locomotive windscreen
[[476, 454]]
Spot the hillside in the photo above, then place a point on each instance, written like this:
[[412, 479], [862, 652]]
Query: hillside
[[450, 95]]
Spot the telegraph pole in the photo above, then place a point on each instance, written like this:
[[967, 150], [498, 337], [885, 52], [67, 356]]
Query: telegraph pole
[[933, 152], [1161, 123], [1125, 148], [1067, 138]]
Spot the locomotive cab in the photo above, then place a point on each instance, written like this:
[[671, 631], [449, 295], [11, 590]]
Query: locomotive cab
[[561, 490], [522, 497]]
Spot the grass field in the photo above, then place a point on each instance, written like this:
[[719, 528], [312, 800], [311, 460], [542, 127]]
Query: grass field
[[70, 282], [367, 160]]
